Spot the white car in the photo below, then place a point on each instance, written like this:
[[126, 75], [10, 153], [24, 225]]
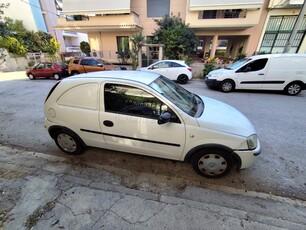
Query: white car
[[145, 113], [173, 69]]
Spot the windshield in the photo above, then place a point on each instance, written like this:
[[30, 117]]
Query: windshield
[[179, 96], [238, 64]]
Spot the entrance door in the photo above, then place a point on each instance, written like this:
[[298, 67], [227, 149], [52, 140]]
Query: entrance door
[[129, 123]]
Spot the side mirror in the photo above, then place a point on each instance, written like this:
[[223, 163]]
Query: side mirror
[[164, 118]]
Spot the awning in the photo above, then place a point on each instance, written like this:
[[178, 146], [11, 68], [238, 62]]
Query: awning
[[79, 7], [199, 5]]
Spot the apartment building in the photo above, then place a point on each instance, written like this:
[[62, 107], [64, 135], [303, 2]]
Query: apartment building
[[42, 15], [281, 18], [224, 27]]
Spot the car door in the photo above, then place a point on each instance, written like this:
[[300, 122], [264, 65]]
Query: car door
[[252, 74], [128, 120], [162, 68], [48, 70], [39, 70]]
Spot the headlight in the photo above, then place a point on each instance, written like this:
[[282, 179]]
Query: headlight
[[252, 141], [216, 75]]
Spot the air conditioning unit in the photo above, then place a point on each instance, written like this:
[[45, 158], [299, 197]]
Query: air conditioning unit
[[96, 54]]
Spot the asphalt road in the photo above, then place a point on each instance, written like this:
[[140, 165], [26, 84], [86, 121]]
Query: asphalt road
[[278, 119]]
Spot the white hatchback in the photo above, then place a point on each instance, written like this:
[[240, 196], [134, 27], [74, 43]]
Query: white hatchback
[[175, 70], [145, 113]]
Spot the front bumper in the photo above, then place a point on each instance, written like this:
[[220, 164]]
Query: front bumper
[[248, 157], [212, 83]]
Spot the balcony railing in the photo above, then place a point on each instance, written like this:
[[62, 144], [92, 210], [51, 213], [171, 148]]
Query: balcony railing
[[219, 14]]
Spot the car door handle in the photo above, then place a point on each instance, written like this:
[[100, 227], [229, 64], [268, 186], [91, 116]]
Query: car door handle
[[261, 74], [108, 123]]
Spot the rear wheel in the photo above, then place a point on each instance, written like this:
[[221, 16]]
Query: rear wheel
[[56, 76], [293, 88], [68, 142], [182, 79], [31, 76], [212, 163], [227, 86]]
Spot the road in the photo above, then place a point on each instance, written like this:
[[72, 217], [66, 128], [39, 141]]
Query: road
[[278, 119]]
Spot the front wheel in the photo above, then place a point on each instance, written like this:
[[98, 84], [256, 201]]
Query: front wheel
[[182, 79], [212, 163], [293, 89], [227, 86], [68, 142]]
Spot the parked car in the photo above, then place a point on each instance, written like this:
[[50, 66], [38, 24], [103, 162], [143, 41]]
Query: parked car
[[286, 72], [148, 114], [90, 64], [173, 69], [54, 70]]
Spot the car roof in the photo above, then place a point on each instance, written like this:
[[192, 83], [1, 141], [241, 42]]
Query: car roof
[[277, 55], [130, 75]]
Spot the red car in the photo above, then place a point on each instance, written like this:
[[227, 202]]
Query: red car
[[54, 70]]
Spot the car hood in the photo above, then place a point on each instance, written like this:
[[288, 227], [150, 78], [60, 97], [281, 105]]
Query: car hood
[[217, 71], [224, 118]]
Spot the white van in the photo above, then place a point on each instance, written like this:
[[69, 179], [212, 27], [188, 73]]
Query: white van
[[285, 72], [148, 114]]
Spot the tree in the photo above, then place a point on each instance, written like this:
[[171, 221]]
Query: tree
[[178, 38], [3, 30], [136, 40], [85, 48]]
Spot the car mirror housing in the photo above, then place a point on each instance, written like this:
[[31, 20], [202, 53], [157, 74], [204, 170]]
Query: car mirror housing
[[164, 118]]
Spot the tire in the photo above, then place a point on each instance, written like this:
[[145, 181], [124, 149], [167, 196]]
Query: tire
[[31, 76], [182, 79], [69, 142], [212, 163], [293, 88], [56, 76], [73, 73], [227, 86]]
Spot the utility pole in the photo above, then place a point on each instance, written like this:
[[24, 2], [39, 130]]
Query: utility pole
[[296, 27]]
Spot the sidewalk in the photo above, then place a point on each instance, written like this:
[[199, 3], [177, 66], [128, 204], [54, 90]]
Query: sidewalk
[[39, 191]]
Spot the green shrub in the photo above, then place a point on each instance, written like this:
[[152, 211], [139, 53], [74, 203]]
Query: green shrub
[[207, 68]]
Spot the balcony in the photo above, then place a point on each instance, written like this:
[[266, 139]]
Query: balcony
[[285, 4], [199, 5], [111, 23], [233, 19]]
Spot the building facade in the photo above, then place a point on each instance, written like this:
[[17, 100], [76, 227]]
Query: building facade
[[42, 15], [225, 28], [278, 27]]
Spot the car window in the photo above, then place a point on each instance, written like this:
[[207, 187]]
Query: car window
[[174, 64], [49, 66], [133, 101], [90, 62], [40, 66], [162, 65], [87, 100], [76, 61], [255, 65]]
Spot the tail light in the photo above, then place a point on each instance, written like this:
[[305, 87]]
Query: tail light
[[190, 69]]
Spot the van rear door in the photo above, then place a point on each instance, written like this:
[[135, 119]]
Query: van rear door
[[252, 74]]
